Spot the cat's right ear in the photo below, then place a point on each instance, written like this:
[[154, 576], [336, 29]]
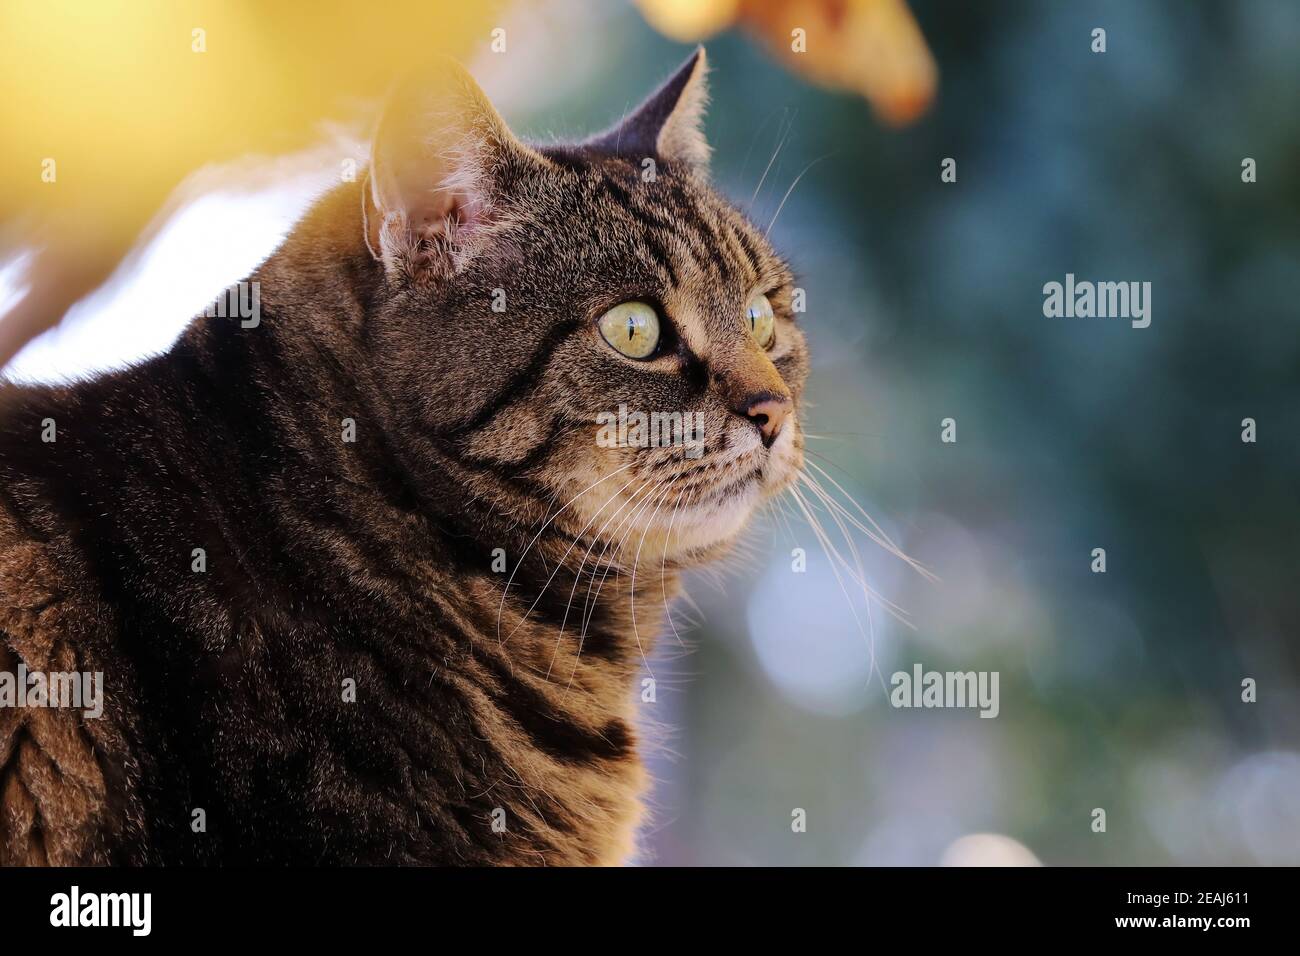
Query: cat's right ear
[[440, 154]]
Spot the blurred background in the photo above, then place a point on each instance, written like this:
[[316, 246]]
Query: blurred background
[[1120, 691]]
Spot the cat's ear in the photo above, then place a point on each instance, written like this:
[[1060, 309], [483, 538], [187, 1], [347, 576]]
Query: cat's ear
[[670, 123], [440, 155]]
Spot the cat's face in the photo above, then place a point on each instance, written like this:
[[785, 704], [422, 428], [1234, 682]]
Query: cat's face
[[607, 327]]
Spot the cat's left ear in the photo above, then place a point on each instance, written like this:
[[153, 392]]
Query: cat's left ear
[[442, 159], [670, 123]]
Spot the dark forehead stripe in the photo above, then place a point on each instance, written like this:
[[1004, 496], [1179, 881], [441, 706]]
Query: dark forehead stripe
[[598, 178], [670, 209], [646, 214], [750, 250], [659, 253], [693, 218], [703, 223], [712, 253], [652, 220], [733, 232], [696, 213]]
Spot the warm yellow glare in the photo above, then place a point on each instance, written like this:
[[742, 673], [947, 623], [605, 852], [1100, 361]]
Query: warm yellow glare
[[127, 97]]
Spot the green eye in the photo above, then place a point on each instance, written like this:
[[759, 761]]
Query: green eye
[[631, 328], [762, 322]]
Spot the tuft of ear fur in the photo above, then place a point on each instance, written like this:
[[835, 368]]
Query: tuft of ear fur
[[670, 123], [439, 153]]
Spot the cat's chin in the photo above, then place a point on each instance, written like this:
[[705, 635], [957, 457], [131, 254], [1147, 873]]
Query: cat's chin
[[699, 532], [705, 529], [709, 526]]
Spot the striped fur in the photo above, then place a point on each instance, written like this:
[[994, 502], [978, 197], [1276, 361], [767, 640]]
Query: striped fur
[[372, 561]]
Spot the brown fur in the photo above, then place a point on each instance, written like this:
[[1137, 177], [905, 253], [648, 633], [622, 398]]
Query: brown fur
[[373, 560]]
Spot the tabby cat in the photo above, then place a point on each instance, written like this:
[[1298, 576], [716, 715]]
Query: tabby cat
[[282, 542]]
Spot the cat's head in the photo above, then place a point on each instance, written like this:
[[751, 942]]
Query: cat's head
[[592, 321]]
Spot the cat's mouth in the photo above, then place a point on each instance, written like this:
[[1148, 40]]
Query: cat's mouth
[[665, 504], [728, 487], [753, 467], [704, 505]]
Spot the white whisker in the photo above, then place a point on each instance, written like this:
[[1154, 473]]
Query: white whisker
[[789, 191], [663, 568], [609, 565], [783, 136], [577, 577], [540, 530], [560, 564], [635, 562], [822, 539], [879, 536]]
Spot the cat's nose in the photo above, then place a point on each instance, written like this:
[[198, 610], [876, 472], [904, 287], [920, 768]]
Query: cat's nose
[[768, 413]]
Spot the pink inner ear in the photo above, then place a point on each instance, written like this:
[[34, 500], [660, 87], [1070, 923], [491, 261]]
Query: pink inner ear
[[452, 202]]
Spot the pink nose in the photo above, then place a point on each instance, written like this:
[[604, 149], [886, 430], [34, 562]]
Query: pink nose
[[768, 415]]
